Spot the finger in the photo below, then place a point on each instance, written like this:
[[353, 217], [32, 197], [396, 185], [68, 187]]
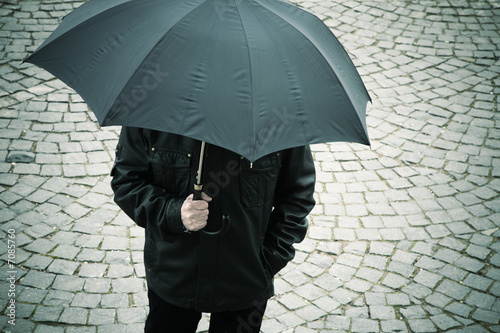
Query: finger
[[200, 205], [196, 223], [205, 197], [201, 226], [200, 215]]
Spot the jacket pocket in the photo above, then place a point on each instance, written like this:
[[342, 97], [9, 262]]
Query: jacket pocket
[[265, 264], [171, 170], [258, 180]]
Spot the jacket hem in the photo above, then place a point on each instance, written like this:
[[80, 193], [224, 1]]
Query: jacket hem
[[157, 288]]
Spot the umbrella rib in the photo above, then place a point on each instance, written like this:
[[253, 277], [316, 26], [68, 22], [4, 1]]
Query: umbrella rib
[[294, 27], [252, 141], [156, 44], [310, 41], [82, 23], [192, 91], [292, 80], [299, 100]]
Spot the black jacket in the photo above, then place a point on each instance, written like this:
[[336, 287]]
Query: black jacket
[[267, 203]]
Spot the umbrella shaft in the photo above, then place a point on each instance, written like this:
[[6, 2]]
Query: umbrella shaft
[[197, 192], [200, 166], [198, 187]]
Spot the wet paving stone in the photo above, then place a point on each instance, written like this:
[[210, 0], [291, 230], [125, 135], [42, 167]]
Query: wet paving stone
[[403, 237]]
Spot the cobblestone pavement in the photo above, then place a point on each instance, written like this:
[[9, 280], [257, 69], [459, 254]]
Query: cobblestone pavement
[[404, 237]]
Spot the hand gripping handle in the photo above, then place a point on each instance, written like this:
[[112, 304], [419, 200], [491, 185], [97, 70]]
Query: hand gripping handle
[[226, 221]]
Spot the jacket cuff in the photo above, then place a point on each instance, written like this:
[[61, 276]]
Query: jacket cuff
[[172, 222]]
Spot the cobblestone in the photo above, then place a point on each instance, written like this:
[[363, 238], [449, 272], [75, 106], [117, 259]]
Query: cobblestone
[[404, 234]]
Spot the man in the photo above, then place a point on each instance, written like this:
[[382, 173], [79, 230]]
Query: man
[[263, 205]]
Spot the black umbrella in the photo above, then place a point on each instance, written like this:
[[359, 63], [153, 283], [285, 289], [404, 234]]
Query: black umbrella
[[251, 76]]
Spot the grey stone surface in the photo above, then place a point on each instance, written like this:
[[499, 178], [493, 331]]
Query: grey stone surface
[[404, 235]]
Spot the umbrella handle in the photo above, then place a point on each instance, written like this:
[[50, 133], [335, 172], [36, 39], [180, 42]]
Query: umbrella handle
[[197, 192], [226, 221]]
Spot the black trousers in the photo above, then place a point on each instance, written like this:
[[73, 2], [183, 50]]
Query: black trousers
[[167, 318]]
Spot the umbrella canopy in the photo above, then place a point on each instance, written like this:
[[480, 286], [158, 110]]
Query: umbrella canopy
[[251, 76]]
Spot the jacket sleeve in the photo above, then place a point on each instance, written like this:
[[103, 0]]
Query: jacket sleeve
[[148, 205], [293, 202]]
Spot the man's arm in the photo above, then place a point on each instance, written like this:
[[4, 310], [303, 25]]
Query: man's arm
[[147, 204], [293, 202]]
